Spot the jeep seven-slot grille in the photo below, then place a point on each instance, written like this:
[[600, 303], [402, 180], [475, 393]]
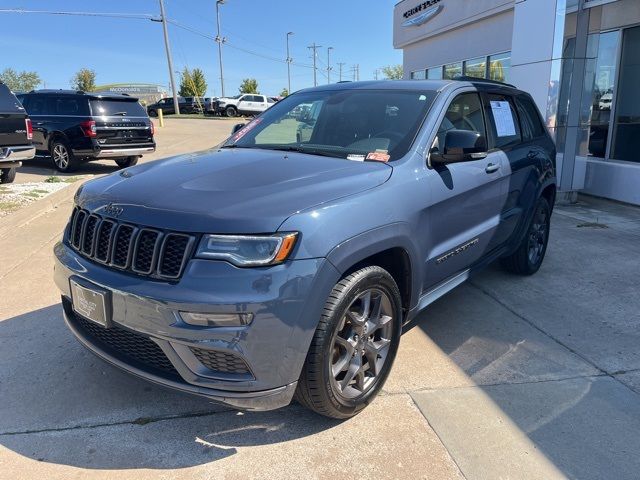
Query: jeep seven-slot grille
[[137, 249]]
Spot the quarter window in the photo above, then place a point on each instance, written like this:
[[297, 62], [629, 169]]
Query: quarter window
[[463, 113], [530, 122]]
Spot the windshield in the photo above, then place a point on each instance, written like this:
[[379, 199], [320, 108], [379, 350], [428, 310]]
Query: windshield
[[117, 107], [354, 124]]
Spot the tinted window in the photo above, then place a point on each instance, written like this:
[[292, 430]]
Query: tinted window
[[529, 119], [503, 120], [8, 103], [117, 107], [259, 98], [463, 113], [68, 105]]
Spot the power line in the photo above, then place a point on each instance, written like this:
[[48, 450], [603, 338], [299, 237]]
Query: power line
[[141, 16]]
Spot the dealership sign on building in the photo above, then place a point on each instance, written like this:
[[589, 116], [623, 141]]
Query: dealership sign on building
[[422, 13]]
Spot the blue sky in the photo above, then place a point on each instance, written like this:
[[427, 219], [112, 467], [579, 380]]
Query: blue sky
[[132, 50]]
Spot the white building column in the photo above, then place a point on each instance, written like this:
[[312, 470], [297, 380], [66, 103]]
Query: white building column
[[536, 66]]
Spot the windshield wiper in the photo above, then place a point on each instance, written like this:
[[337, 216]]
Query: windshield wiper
[[119, 113], [301, 149]]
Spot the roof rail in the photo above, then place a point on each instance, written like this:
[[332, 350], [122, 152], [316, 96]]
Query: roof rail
[[465, 78]]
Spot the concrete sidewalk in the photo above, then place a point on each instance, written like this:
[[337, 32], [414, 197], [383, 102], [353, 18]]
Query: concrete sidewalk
[[506, 377]]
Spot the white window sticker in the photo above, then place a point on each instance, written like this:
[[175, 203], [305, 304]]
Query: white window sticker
[[503, 119]]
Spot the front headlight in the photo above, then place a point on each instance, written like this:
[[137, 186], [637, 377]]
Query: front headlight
[[247, 250]]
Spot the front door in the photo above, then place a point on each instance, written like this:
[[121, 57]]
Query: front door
[[467, 198]]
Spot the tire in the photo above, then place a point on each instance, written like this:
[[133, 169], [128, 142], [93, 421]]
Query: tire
[[62, 156], [7, 175], [231, 111], [341, 347], [153, 113], [527, 259], [127, 161]]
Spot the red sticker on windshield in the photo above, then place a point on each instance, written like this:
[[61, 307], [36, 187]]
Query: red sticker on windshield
[[246, 129], [378, 156]]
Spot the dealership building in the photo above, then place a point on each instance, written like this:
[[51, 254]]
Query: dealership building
[[579, 59]]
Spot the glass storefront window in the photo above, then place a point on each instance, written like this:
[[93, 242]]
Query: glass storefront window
[[418, 75], [476, 67], [597, 97], [434, 73], [626, 130], [452, 70], [499, 67]]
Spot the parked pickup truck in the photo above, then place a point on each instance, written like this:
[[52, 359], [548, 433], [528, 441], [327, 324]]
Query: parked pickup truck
[[15, 135], [247, 104]]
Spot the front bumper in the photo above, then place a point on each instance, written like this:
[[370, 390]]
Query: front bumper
[[286, 301], [12, 157]]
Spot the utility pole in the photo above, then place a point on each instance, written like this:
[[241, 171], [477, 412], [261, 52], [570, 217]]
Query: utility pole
[[375, 73], [289, 59], [357, 72], [169, 59], [314, 47], [329, 64], [340, 65], [220, 40]]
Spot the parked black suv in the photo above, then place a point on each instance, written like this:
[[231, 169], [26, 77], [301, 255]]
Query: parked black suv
[[15, 135], [74, 126], [187, 105]]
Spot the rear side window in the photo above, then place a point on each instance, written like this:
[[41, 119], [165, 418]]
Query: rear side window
[[68, 105], [529, 119], [8, 102], [503, 120], [118, 108]]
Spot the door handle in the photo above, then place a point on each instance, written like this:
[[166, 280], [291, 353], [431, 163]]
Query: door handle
[[492, 167]]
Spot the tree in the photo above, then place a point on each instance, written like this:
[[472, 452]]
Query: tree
[[20, 81], [284, 92], [393, 72], [249, 85], [84, 79], [192, 83]]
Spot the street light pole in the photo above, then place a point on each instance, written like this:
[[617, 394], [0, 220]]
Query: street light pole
[[340, 65], [176, 106], [329, 64], [220, 41], [288, 65]]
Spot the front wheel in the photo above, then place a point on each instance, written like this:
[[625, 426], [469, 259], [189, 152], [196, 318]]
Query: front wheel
[[7, 175], [354, 346], [231, 111], [527, 259], [127, 161]]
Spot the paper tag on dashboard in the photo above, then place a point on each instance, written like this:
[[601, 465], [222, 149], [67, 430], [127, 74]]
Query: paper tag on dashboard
[[378, 156], [355, 158]]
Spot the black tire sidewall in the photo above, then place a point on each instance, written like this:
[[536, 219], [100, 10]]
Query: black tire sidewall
[[231, 112], [380, 279], [8, 175], [127, 161]]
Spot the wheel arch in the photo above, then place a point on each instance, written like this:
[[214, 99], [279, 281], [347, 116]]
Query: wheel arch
[[388, 247]]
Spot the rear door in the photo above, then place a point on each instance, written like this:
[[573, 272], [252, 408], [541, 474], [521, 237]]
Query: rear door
[[120, 122], [13, 129], [467, 198], [261, 103]]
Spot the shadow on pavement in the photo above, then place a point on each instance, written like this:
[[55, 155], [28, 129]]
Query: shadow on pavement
[[43, 167], [54, 394]]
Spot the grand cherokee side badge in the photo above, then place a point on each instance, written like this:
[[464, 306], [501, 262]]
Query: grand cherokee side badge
[[113, 211], [457, 250]]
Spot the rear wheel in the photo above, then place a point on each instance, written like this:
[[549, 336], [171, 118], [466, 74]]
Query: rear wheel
[[354, 345], [231, 111], [527, 259], [62, 156], [7, 175], [127, 161], [153, 113]]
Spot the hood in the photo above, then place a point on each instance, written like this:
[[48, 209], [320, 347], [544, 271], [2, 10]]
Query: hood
[[229, 191]]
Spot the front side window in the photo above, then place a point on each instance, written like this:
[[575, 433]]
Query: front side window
[[503, 120], [343, 123], [463, 113]]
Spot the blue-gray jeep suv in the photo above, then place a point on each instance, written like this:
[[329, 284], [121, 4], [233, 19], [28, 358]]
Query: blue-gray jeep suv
[[287, 261]]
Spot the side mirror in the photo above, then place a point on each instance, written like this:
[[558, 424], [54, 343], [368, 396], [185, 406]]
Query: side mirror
[[460, 146], [237, 127]]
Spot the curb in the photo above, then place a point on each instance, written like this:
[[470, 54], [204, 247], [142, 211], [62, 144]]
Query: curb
[[29, 213]]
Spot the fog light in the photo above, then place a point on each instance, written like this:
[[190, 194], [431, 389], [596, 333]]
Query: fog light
[[217, 319]]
